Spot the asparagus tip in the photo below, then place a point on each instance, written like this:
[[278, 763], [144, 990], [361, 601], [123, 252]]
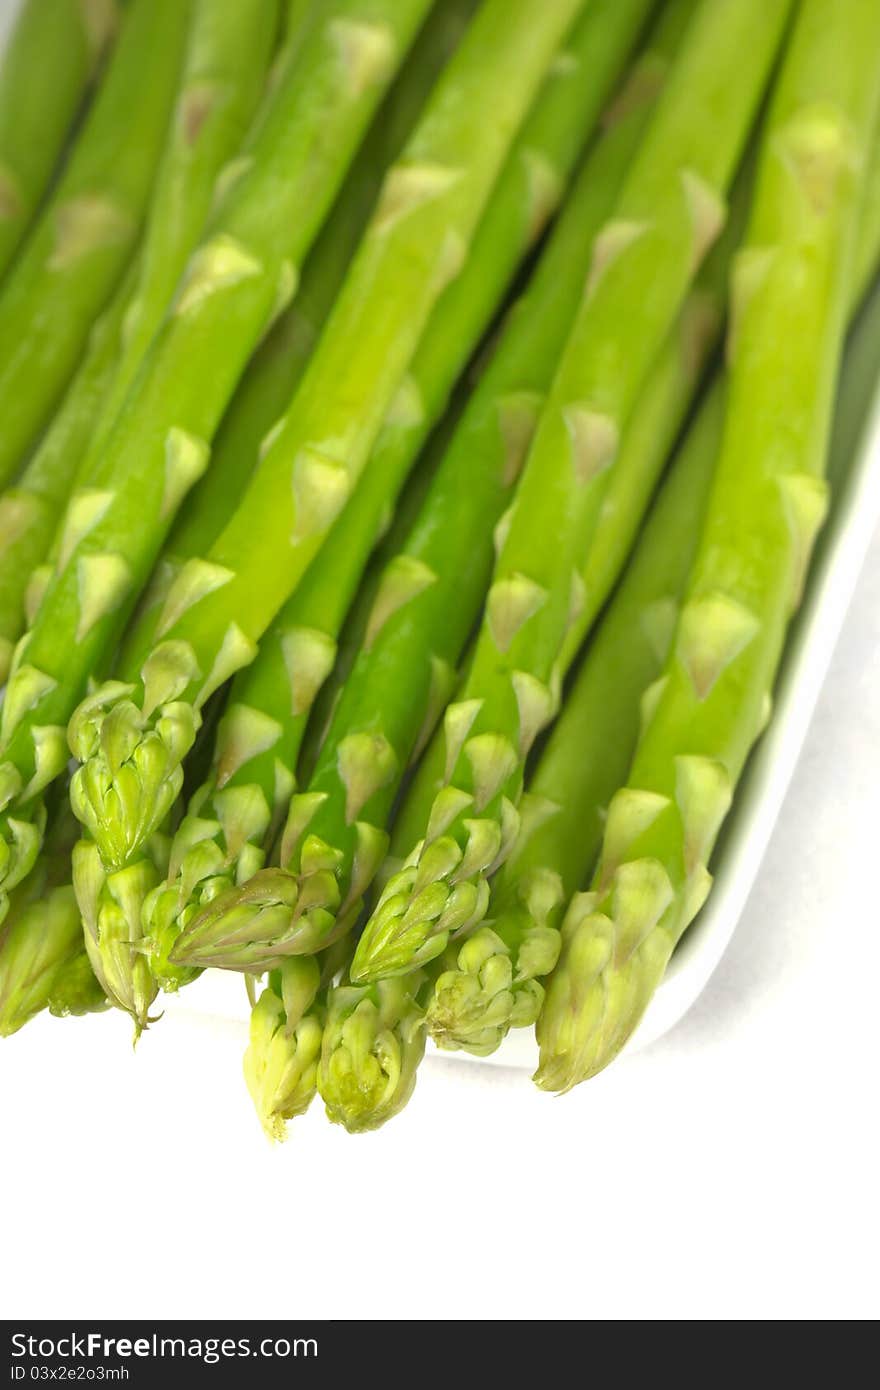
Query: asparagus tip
[[373, 1043], [281, 1062], [255, 927], [39, 940]]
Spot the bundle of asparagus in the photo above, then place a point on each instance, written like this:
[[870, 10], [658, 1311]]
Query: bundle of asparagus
[[384, 535]]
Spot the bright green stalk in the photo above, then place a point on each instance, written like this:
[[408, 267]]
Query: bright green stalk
[[663, 408], [30, 510], [278, 364], [425, 605], [240, 277], [76, 990], [298, 19], [529, 191], [49, 60], [223, 77], [374, 1039], [41, 944], [220, 605], [40, 938], [233, 817], [222, 850], [669, 213], [869, 223], [590, 749], [82, 241], [490, 983], [766, 507], [222, 81]]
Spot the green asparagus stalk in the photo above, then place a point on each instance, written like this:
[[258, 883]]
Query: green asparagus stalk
[[40, 938], [52, 55], [82, 241], [528, 193], [131, 968], [281, 1062], [520, 207], [234, 818], [669, 213], [648, 439], [869, 224], [766, 507], [223, 78], [278, 364], [30, 510], [491, 983], [239, 278], [286, 1033], [75, 990], [298, 19], [234, 815], [426, 603], [221, 604], [374, 1039], [42, 961]]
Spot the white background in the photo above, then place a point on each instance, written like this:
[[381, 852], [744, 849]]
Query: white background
[[728, 1172]]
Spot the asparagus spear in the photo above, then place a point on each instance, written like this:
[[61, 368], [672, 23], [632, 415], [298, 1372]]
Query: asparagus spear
[[234, 814], [281, 1062], [520, 206], [84, 237], [644, 450], [528, 192], [42, 961], [223, 74], [76, 990], [427, 602], [668, 214], [40, 938], [220, 605], [490, 983], [238, 279], [278, 364], [30, 510], [223, 78], [286, 1032], [128, 967], [53, 52], [373, 1041], [767, 504], [869, 223]]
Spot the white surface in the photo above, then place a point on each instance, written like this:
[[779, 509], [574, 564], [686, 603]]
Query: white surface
[[729, 1171]]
